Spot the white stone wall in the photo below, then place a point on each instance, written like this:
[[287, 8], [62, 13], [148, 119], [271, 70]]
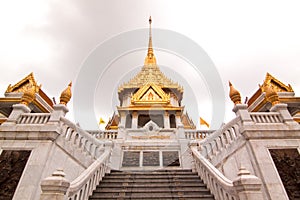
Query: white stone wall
[[44, 159]]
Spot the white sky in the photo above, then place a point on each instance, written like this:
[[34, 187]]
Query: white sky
[[245, 39]]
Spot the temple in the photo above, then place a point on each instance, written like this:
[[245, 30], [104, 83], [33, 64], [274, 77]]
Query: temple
[[150, 148]]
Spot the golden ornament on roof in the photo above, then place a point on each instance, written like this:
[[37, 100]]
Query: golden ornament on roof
[[28, 96], [234, 94], [66, 95], [271, 95]]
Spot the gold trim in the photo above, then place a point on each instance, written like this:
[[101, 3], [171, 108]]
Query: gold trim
[[277, 85], [137, 107], [155, 96], [26, 83]]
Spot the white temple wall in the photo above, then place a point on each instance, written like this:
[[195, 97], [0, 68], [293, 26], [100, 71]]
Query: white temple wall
[[44, 159]]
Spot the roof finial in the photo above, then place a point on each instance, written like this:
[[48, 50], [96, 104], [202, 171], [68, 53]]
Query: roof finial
[[66, 95], [150, 59], [234, 94]]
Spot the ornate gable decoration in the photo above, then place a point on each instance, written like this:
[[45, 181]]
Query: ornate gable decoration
[[150, 94], [25, 84], [278, 86]]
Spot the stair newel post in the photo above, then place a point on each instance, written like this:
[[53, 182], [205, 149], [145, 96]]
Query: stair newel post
[[59, 111], [241, 110], [18, 110], [55, 186], [283, 111], [247, 186]]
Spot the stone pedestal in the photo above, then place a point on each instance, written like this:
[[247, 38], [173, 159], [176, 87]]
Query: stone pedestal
[[18, 109], [282, 109], [55, 186], [59, 110], [241, 110], [248, 186]]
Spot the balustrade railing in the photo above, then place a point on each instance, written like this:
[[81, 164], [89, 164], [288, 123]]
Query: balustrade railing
[[221, 187], [220, 139], [266, 117], [104, 135], [197, 134], [34, 118], [81, 139], [84, 185]]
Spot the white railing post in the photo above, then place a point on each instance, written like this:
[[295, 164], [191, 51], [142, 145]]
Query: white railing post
[[59, 110], [18, 109], [241, 110], [283, 111], [248, 186], [55, 186]]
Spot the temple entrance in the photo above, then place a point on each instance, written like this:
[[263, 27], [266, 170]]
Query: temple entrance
[[12, 164], [144, 119], [172, 121], [287, 162]]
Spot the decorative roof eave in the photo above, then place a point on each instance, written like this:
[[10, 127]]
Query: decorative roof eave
[[271, 80], [21, 86], [150, 107]]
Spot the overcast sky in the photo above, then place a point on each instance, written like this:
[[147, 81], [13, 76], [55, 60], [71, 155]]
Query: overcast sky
[[244, 39]]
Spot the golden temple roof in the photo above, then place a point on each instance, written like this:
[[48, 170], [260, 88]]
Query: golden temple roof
[[150, 72]]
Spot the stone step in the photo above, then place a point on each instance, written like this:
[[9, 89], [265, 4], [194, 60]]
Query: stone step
[[154, 180], [155, 196], [163, 184], [140, 176], [153, 173], [158, 190], [151, 184], [151, 196], [172, 197]]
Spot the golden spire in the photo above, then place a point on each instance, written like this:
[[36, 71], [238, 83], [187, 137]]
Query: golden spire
[[234, 95], [150, 59], [28, 96], [66, 95]]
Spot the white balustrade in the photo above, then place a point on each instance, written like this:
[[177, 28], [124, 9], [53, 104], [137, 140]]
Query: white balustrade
[[84, 185], [104, 135], [81, 139], [220, 139], [221, 187], [266, 117], [197, 134], [34, 118]]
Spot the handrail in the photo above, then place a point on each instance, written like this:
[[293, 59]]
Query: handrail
[[82, 187], [220, 139], [220, 186], [80, 138]]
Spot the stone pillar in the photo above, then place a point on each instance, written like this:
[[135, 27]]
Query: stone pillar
[[122, 120], [178, 120], [59, 110], [282, 109], [55, 186], [18, 109], [166, 119], [242, 111], [247, 186], [134, 120]]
